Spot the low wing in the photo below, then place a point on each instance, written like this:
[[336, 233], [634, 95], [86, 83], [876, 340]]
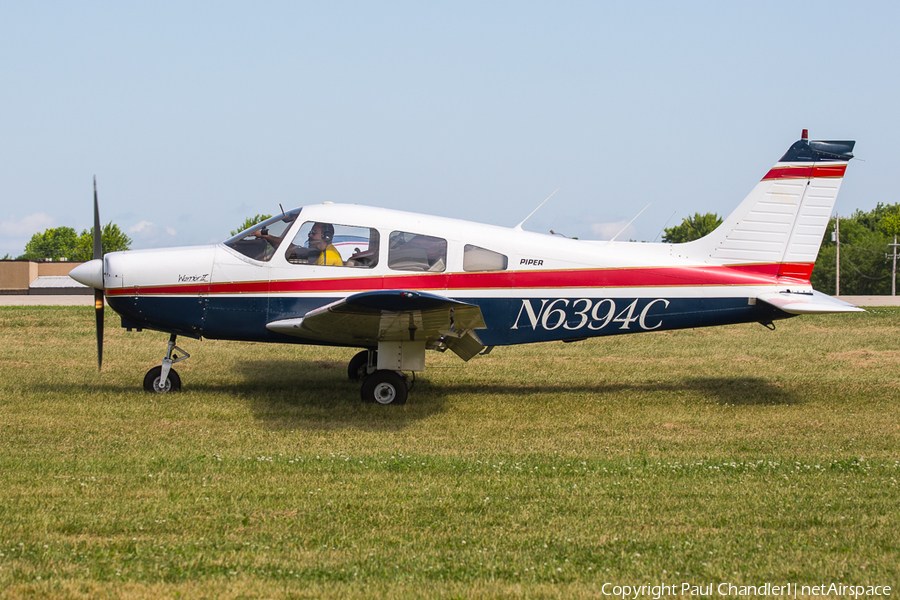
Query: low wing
[[807, 303], [367, 318]]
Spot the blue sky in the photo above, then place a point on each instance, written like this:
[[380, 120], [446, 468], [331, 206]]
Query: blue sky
[[195, 115]]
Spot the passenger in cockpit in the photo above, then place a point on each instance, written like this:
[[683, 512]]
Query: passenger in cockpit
[[265, 235]]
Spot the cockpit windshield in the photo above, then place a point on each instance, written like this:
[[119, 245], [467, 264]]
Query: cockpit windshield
[[260, 241]]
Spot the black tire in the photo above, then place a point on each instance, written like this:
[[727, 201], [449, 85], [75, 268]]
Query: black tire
[[357, 369], [385, 387], [151, 381]]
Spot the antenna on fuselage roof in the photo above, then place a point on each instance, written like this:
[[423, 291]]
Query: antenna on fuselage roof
[[282, 209], [629, 223], [519, 226], [664, 227]]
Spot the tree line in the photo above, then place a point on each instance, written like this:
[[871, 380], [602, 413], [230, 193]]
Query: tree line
[[865, 247], [866, 253], [64, 243]]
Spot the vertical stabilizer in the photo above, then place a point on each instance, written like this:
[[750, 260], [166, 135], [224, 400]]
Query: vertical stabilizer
[[782, 221]]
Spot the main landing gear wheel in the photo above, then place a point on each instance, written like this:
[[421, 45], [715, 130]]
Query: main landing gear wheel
[[152, 383], [385, 387], [358, 367]]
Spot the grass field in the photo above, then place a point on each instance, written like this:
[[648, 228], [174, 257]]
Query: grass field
[[732, 454]]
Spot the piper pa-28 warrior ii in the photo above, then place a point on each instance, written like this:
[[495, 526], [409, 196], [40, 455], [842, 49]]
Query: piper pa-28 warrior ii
[[396, 284]]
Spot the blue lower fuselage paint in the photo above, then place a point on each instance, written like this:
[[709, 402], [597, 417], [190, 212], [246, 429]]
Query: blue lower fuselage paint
[[509, 320]]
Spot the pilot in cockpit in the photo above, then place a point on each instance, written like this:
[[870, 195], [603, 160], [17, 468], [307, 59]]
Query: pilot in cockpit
[[321, 250]]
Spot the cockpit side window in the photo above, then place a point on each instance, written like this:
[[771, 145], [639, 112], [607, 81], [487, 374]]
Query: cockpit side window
[[331, 244], [415, 252], [260, 241], [476, 258]]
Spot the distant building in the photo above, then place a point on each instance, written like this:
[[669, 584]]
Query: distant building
[[29, 277]]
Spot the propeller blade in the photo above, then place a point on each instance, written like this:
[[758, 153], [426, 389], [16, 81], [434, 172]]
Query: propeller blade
[[98, 316], [98, 242], [98, 294]]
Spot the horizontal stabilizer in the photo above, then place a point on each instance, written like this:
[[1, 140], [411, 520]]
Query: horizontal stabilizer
[[807, 303]]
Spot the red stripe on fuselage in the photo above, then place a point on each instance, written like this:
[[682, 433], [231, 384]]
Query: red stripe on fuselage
[[805, 172], [751, 274]]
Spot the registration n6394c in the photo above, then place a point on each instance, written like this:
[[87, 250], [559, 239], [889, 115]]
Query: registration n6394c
[[550, 314]]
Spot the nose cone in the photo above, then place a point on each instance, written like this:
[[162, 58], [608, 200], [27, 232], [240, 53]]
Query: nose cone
[[89, 274]]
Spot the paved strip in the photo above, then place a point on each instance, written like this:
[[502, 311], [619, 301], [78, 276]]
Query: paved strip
[[45, 300], [871, 300]]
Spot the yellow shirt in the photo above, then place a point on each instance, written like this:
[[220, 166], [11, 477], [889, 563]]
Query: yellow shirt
[[330, 257]]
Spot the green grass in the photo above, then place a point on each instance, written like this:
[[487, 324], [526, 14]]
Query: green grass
[[732, 454]]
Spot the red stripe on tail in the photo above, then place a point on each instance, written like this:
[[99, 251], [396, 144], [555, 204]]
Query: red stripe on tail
[[805, 172], [799, 271]]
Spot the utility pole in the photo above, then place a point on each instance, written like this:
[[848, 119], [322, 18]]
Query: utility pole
[[890, 224], [837, 261], [894, 271]]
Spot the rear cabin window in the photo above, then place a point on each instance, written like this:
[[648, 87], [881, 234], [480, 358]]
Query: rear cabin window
[[330, 244], [260, 241], [416, 252], [476, 258]]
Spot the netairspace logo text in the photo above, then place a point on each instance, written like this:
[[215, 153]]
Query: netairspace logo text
[[787, 590]]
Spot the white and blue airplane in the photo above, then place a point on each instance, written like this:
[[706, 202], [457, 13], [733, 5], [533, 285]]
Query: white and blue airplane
[[395, 284]]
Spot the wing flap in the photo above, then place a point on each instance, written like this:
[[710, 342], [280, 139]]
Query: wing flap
[[465, 346], [807, 303]]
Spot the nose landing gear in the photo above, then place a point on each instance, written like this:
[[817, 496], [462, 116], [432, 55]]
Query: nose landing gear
[[164, 379]]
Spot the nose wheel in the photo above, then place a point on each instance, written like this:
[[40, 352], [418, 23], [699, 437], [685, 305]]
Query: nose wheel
[[153, 381], [163, 379]]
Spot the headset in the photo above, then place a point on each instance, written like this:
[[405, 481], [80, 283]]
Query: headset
[[327, 232]]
